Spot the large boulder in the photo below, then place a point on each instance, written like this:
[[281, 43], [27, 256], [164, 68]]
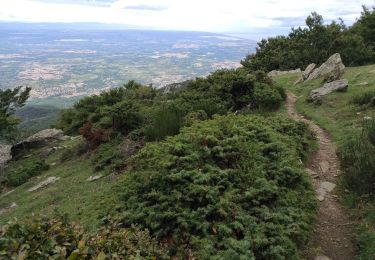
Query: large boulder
[[306, 73], [331, 70], [275, 73], [41, 138], [337, 85], [5, 154]]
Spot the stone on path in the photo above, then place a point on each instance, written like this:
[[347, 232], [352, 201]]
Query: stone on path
[[44, 183], [324, 188], [328, 186]]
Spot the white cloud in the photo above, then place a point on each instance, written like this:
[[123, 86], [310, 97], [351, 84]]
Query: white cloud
[[215, 15]]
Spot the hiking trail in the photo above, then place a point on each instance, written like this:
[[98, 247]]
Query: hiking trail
[[333, 230]]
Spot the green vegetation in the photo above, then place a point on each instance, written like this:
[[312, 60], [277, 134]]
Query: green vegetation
[[317, 42], [209, 184], [347, 117], [365, 98], [142, 112], [23, 172], [41, 238], [358, 161], [204, 190], [11, 99]]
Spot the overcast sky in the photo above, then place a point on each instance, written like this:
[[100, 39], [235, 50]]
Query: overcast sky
[[266, 17]]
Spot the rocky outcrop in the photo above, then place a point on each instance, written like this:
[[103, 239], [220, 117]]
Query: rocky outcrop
[[275, 73], [5, 154], [330, 70], [174, 87], [306, 73], [44, 183], [338, 85], [43, 137]]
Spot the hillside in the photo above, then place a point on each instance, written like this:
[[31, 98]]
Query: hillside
[[344, 115], [243, 163]]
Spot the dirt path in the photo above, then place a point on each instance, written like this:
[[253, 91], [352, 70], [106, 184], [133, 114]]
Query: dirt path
[[333, 231]]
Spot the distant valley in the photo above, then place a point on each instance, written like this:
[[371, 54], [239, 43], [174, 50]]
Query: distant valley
[[62, 65]]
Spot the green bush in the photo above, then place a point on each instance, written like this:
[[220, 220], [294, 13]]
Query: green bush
[[24, 172], [166, 120], [267, 97], [112, 156], [42, 238], [366, 244], [229, 188], [315, 43], [364, 98], [358, 161]]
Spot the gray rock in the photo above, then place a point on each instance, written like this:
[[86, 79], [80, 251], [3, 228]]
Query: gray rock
[[65, 138], [44, 183], [275, 73], [46, 134], [5, 154], [332, 69], [312, 173], [9, 208], [48, 151], [94, 178], [306, 73], [321, 193], [39, 138], [338, 85], [328, 186]]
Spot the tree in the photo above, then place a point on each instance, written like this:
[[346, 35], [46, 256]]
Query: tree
[[315, 43], [10, 100]]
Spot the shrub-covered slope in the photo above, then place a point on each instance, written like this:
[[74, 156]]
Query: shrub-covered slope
[[229, 188]]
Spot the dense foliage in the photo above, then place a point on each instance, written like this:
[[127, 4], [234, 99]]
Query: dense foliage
[[358, 161], [143, 112], [20, 174], [41, 238], [229, 188], [315, 43], [10, 99]]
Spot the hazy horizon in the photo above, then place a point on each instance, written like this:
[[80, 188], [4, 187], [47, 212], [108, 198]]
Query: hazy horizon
[[251, 20]]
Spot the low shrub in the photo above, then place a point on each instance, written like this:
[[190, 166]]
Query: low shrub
[[267, 97], [25, 171], [42, 238], [112, 156], [166, 121], [229, 188], [366, 244], [93, 137], [364, 98], [358, 161]]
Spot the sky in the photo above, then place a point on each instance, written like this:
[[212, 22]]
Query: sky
[[258, 18]]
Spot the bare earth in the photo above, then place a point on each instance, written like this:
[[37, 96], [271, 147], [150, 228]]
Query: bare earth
[[333, 232]]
